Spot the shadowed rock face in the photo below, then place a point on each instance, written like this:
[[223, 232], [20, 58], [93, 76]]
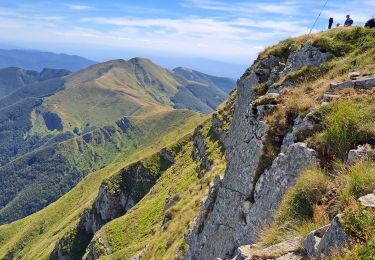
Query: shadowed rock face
[[246, 199]]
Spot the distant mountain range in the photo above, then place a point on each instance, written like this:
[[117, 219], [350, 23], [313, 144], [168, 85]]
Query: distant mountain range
[[38, 60], [57, 126], [13, 78]]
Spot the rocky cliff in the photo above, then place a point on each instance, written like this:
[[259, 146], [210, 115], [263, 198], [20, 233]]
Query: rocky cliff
[[278, 107], [248, 195], [116, 196]]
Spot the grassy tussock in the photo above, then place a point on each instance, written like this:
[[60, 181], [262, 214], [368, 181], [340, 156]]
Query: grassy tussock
[[347, 123], [303, 208]]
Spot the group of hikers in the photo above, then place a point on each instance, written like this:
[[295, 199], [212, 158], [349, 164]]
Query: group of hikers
[[349, 22]]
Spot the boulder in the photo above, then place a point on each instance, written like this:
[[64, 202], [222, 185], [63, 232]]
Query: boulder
[[330, 97], [362, 152], [313, 239], [345, 84], [290, 249], [368, 201], [333, 238], [354, 75], [323, 241], [364, 83]]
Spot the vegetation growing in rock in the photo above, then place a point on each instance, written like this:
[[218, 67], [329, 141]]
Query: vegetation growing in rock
[[310, 204], [150, 227], [347, 123]]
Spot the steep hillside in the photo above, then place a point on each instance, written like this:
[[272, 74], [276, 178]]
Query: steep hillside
[[13, 78], [224, 84], [37, 60], [57, 130], [35, 236]]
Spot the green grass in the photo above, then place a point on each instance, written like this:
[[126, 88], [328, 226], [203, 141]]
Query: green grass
[[359, 223], [295, 213], [347, 124], [357, 180], [35, 236], [142, 227]]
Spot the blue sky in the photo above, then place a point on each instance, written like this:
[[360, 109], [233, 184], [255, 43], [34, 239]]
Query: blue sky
[[230, 31]]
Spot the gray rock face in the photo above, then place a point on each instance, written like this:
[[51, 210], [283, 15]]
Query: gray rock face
[[234, 221], [246, 199], [321, 242], [219, 217], [301, 129], [199, 153], [105, 208], [307, 56]]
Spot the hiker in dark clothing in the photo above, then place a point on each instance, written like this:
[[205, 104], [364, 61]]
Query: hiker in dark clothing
[[370, 23], [330, 22], [348, 21]]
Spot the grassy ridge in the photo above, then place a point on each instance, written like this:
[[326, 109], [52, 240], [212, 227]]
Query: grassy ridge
[[35, 236]]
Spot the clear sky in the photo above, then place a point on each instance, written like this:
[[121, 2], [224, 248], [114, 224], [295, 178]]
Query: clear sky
[[230, 31]]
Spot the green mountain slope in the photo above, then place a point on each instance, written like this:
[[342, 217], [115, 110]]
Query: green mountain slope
[[35, 236], [56, 130], [224, 84], [13, 78]]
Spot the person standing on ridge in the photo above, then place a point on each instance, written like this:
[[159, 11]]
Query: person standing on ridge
[[330, 22], [348, 21], [370, 23]]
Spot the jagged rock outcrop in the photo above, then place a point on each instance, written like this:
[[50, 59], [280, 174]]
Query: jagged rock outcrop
[[302, 128], [245, 200], [308, 55], [228, 219], [115, 197], [199, 153], [323, 241]]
